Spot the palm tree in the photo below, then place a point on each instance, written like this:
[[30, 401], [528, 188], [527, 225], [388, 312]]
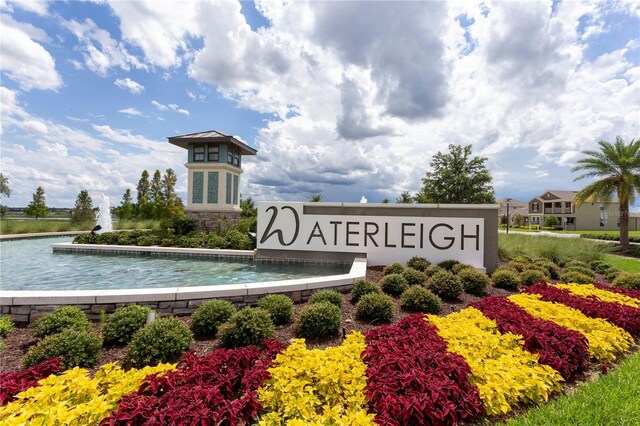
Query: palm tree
[[618, 167]]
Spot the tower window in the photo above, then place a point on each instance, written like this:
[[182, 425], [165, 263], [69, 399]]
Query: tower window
[[198, 153]]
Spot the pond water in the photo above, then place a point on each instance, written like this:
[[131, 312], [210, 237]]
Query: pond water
[[30, 264]]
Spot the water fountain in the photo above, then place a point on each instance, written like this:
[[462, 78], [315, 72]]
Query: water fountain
[[363, 200], [104, 216]]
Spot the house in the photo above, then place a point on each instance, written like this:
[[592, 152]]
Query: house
[[515, 207], [589, 216]]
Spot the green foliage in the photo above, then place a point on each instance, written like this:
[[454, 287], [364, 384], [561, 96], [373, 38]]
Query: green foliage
[[419, 299], [628, 280], [413, 276], [574, 262], [85, 239], [461, 267], [58, 320], [239, 241], [446, 285], [76, 347], [531, 276], [209, 316], [375, 308], [394, 268], [4, 186], [362, 287], [552, 248], [319, 320], [164, 340], [249, 326], [474, 281], [6, 325], [418, 263], [507, 279], [83, 210], [432, 270], [552, 269], [179, 225], [147, 240], [522, 259], [575, 277], [279, 306], [215, 241], [518, 219], [330, 296], [393, 284], [126, 210], [457, 178], [551, 221], [600, 266], [448, 264], [38, 206], [405, 198], [316, 198], [120, 326], [580, 269]]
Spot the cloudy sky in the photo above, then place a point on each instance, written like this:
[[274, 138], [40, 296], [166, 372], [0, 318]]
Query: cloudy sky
[[342, 99]]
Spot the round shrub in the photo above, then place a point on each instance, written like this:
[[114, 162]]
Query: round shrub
[[123, 323], [279, 306], [249, 326], [581, 270], [211, 315], [239, 241], [522, 259], [61, 318], [574, 262], [430, 271], [552, 269], [473, 281], [319, 320], [394, 268], [76, 347], [330, 296], [393, 284], [448, 264], [87, 238], [375, 308], [446, 285], [599, 266], [531, 276], [418, 263], [414, 277], [612, 273], [506, 278], [518, 266], [163, 340], [419, 299], [575, 277], [461, 267], [362, 287], [6, 325], [628, 280]]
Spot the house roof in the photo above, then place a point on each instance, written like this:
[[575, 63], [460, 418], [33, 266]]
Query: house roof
[[212, 136], [562, 195], [513, 203]]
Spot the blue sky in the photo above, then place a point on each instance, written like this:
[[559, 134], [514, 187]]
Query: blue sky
[[335, 103]]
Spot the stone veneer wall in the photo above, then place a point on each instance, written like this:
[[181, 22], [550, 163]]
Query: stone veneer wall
[[28, 313], [208, 221]]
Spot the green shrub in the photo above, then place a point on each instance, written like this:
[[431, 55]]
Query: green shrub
[[149, 240], [531, 276], [209, 316], [163, 340], [319, 320], [580, 269], [628, 280], [61, 318], [394, 268], [519, 266], [87, 238], [375, 308], [76, 347], [239, 241], [578, 263], [6, 325], [461, 267], [362, 287], [108, 238], [448, 264], [507, 279], [215, 241], [393, 284], [419, 299], [418, 263], [575, 277], [522, 259], [474, 281], [552, 269], [446, 285], [330, 296], [279, 306], [599, 266], [414, 277], [432, 270], [612, 273], [123, 323], [190, 241], [249, 326], [179, 225]]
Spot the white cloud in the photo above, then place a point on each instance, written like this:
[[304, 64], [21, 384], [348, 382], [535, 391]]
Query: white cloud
[[172, 107], [39, 7], [130, 85], [131, 111], [33, 32], [160, 106], [26, 62]]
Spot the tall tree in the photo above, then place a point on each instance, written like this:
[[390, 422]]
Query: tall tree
[[38, 206], [126, 209], [172, 203], [248, 207], [144, 207], [617, 166], [316, 198], [457, 177], [83, 210], [4, 191], [404, 198], [156, 195]]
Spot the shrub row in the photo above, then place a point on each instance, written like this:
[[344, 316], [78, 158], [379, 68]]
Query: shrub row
[[414, 380], [609, 237], [606, 341], [564, 350], [625, 317], [14, 382], [219, 388]]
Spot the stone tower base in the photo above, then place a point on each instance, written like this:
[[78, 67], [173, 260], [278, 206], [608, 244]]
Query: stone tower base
[[212, 221]]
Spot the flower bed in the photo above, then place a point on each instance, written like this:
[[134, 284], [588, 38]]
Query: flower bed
[[15, 382], [591, 291], [627, 292]]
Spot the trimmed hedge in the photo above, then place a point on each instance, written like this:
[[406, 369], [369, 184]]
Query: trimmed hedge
[[362, 287], [209, 316], [58, 320], [76, 348], [318, 320], [279, 306], [393, 284], [249, 326], [164, 340], [375, 308], [330, 296], [121, 325], [446, 285], [419, 299]]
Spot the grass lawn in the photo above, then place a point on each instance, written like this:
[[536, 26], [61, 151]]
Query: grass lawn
[[626, 264], [600, 232], [553, 248], [614, 399], [44, 225]]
